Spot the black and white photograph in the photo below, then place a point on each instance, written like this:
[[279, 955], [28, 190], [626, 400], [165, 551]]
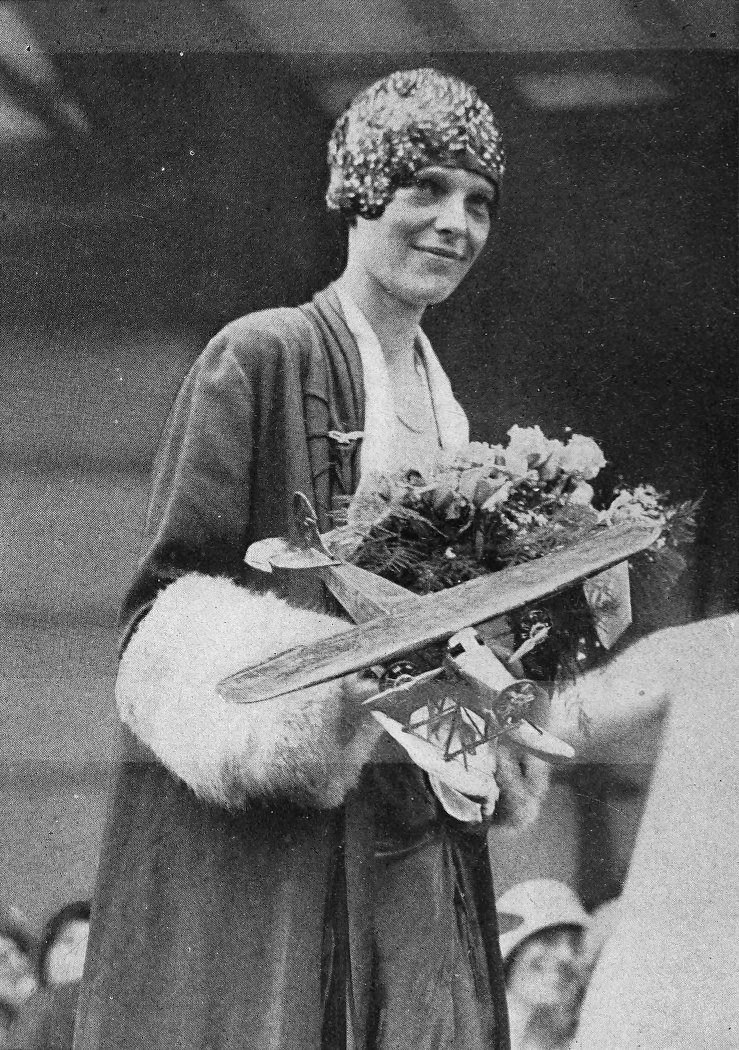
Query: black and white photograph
[[369, 472]]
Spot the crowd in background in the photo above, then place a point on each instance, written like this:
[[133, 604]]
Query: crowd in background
[[549, 944], [39, 977]]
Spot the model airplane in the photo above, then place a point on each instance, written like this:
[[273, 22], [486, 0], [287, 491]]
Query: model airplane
[[446, 715]]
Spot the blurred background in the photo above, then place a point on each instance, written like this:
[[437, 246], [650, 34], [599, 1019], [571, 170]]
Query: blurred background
[[163, 172]]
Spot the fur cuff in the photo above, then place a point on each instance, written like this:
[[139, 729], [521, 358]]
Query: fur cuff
[[523, 780], [308, 747]]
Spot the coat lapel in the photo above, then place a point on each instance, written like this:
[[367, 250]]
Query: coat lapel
[[334, 412], [334, 405]]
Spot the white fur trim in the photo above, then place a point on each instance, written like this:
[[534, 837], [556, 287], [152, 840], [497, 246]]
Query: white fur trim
[[309, 747]]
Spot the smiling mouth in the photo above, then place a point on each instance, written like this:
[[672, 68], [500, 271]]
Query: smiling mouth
[[441, 253]]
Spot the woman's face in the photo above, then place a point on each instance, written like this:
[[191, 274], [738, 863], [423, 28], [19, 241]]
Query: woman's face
[[547, 969], [428, 237]]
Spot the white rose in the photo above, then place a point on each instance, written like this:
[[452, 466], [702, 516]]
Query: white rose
[[528, 442], [552, 464], [478, 454], [640, 505], [582, 495], [516, 463], [581, 458], [502, 494]]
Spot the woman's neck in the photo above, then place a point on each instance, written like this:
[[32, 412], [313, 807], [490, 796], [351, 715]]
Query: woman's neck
[[393, 321]]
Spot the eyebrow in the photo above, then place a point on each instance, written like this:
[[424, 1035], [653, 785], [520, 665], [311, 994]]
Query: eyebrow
[[443, 170]]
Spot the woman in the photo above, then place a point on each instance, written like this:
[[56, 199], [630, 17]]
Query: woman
[[17, 976], [46, 1021], [261, 883], [544, 963]]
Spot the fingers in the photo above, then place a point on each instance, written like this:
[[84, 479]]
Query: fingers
[[488, 801], [488, 806], [359, 687]]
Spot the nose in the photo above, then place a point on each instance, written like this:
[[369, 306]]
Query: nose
[[565, 954], [567, 958], [452, 214]]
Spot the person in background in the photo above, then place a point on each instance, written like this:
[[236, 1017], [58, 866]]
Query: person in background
[[17, 968], [46, 1021], [545, 969], [63, 946]]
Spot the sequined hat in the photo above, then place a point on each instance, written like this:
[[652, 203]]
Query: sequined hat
[[400, 124]]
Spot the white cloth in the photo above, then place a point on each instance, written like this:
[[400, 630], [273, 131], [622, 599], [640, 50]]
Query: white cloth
[[382, 434], [667, 977], [383, 439]]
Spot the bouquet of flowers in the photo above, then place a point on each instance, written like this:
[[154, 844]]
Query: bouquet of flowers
[[491, 506]]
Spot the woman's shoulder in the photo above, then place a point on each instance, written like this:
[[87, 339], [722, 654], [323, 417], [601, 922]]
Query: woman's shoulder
[[275, 335]]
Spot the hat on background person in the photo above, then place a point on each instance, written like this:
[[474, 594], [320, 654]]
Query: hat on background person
[[71, 953], [530, 907]]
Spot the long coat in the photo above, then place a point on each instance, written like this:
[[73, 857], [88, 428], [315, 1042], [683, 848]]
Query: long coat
[[210, 927]]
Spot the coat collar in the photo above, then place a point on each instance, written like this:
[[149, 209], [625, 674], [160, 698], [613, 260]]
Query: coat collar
[[344, 357]]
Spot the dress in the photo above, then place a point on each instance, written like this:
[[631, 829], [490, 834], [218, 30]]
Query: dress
[[256, 926]]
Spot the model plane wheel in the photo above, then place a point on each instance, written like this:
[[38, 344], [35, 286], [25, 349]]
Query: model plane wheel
[[399, 673]]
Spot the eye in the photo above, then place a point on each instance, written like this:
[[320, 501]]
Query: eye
[[427, 185], [481, 205]]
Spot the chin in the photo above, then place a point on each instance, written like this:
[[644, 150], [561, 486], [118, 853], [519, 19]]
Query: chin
[[440, 297], [430, 293]]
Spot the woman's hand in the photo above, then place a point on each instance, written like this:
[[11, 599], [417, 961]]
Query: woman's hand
[[359, 687], [463, 805], [488, 802], [358, 720]]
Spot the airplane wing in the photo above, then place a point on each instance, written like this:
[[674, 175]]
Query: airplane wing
[[419, 621], [364, 595]]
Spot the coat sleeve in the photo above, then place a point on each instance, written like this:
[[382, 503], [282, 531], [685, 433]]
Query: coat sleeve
[[308, 747], [200, 504], [184, 623]]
